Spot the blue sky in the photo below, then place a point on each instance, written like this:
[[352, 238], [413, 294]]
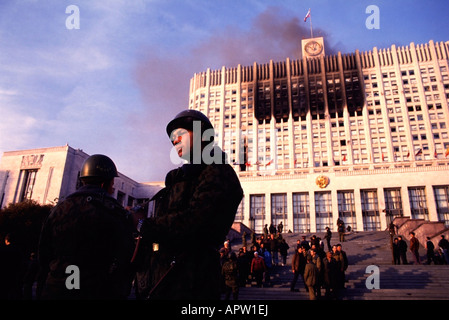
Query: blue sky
[[112, 85]]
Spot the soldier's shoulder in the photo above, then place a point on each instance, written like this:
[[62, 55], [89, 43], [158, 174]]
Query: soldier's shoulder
[[112, 203], [223, 173], [86, 199], [172, 176], [222, 169], [69, 207], [68, 202]]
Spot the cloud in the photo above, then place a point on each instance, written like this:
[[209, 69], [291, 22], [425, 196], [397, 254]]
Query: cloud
[[18, 130], [274, 34], [59, 85], [163, 78]]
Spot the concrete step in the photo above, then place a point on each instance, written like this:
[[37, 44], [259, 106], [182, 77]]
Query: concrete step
[[425, 283]]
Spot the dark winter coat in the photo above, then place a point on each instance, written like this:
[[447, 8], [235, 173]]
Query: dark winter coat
[[311, 274], [196, 210], [414, 244], [230, 273], [92, 231], [299, 262], [330, 274]]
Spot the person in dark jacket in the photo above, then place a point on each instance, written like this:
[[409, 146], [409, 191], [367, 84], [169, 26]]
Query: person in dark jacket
[[298, 265], [197, 205], [244, 264], [402, 245], [328, 237], [330, 276], [304, 243], [340, 263], [414, 247], [310, 277], [230, 273], [273, 247], [283, 250], [430, 248], [444, 246], [396, 252], [87, 241]]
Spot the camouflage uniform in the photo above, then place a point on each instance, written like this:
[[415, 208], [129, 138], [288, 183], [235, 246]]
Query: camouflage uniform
[[230, 273], [91, 230], [193, 215]]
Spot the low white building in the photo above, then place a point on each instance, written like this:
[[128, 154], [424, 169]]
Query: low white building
[[47, 175]]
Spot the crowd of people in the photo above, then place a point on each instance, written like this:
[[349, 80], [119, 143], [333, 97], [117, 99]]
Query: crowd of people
[[434, 255], [319, 269]]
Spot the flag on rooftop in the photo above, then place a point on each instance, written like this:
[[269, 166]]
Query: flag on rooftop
[[307, 16]]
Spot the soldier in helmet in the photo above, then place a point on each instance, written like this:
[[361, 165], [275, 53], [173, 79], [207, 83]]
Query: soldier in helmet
[[91, 232], [195, 209]]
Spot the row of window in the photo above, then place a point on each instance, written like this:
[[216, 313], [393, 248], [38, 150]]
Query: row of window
[[402, 151], [27, 182], [371, 213]]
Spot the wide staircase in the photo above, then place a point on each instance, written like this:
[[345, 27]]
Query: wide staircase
[[396, 282]]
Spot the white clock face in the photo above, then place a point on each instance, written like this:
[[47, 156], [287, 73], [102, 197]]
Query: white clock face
[[313, 48]]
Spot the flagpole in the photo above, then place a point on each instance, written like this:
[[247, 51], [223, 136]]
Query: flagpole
[[311, 32]]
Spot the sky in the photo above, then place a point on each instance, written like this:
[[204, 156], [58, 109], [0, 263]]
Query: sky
[[107, 76]]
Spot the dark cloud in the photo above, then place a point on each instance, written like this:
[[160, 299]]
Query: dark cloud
[[275, 34]]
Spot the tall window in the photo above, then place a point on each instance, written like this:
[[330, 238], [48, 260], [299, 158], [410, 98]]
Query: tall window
[[301, 212], [346, 208], [442, 200], [279, 209], [323, 208], [370, 210], [121, 197], [2, 194], [257, 212], [239, 213], [28, 178], [393, 204], [418, 203]]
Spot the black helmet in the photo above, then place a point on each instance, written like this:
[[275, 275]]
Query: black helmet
[[99, 166], [185, 119]]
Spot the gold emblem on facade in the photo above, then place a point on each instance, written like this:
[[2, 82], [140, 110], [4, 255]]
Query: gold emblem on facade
[[322, 181]]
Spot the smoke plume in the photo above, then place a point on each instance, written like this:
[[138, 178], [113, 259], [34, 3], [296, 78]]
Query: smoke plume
[[274, 34]]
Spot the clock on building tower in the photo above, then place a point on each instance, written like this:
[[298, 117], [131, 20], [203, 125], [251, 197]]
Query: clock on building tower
[[313, 47]]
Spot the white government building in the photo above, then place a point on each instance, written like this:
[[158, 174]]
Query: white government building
[[47, 175], [361, 136]]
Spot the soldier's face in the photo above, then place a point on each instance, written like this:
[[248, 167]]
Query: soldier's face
[[182, 140]]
